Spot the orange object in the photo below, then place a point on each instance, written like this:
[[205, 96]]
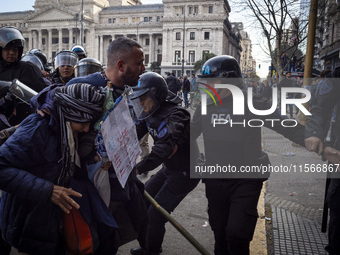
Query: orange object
[[77, 233]]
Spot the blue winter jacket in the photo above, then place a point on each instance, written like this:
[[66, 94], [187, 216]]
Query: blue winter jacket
[[28, 170]]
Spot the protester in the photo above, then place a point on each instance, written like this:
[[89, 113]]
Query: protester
[[168, 124], [286, 82], [232, 197], [173, 83], [315, 89], [194, 86], [186, 89], [64, 63], [37, 166], [328, 97], [125, 59], [267, 91]]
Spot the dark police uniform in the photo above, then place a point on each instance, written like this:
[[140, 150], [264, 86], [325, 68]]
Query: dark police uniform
[[232, 200], [318, 124], [168, 126], [28, 74]]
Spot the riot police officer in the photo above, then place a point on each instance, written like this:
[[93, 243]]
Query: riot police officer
[[168, 124], [80, 51], [41, 55], [64, 63], [232, 197], [87, 66], [11, 67]]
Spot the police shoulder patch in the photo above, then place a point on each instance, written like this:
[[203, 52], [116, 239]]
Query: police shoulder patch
[[325, 88], [162, 132]]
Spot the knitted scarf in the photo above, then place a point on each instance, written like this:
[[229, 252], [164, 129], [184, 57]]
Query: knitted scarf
[[75, 103]]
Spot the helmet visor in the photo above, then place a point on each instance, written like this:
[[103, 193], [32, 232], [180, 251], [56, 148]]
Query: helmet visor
[[65, 59], [86, 69], [144, 103], [22, 92], [33, 59]]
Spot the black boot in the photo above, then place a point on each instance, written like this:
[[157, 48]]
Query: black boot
[[138, 251], [141, 251]]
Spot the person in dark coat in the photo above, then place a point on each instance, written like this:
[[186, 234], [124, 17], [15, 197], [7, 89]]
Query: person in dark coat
[[39, 162], [174, 84], [327, 97], [233, 194], [286, 82], [11, 67], [267, 91], [186, 90]]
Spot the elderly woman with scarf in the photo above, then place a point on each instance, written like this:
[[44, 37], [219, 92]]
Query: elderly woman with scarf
[[40, 170]]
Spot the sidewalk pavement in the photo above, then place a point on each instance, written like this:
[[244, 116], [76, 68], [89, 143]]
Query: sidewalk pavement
[[192, 215], [294, 201]]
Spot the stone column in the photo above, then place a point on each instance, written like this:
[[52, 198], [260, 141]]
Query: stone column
[[70, 36], [60, 39], [30, 38], [49, 47], [199, 40], [151, 49], [96, 47], [101, 48], [39, 39]]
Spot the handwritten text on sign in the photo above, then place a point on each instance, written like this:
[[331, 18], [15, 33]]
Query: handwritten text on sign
[[121, 142]]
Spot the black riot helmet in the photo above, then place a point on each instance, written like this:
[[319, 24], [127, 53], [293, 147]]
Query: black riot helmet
[[87, 66], [30, 57], [41, 55], [221, 68], [79, 50], [11, 36], [149, 94]]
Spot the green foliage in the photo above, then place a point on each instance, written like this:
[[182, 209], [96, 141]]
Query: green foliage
[[199, 63], [155, 66]]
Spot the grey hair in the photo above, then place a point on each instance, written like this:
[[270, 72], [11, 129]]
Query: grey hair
[[119, 49]]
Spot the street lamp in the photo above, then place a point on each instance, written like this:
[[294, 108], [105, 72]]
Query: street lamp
[[76, 19], [183, 41], [138, 27], [82, 23]]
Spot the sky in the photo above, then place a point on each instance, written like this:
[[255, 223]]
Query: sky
[[258, 55]]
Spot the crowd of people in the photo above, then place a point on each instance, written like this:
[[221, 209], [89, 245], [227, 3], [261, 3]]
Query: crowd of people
[[51, 144]]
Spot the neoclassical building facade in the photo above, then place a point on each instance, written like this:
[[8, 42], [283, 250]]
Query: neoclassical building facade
[[175, 34]]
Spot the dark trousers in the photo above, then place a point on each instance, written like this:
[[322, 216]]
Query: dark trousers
[[168, 188], [5, 248], [232, 209], [333, 199], [186, 100]]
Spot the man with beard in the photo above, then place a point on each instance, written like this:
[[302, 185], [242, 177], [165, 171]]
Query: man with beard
[[125, 59]]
